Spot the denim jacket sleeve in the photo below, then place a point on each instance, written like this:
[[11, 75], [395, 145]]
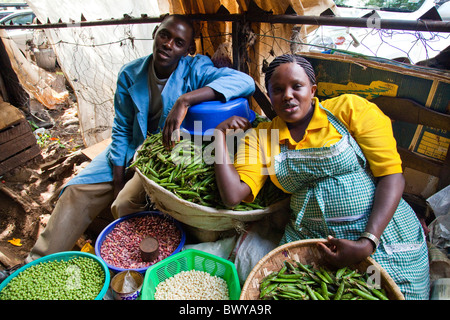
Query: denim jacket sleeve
[[122, 130], [131, 101]]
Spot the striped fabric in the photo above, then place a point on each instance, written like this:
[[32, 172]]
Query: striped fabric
[[333, 191]]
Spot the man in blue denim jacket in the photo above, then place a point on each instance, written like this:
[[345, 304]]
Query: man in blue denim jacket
[[153, 93]]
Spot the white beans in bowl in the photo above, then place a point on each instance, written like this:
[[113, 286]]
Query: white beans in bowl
[[192, 285]]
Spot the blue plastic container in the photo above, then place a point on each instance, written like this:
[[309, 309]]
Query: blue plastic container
[[203, 118], [101, 237], [64, 256]]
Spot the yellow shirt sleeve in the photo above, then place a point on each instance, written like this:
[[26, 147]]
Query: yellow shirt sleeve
[[248, 162], [372, 130], [254, 158]]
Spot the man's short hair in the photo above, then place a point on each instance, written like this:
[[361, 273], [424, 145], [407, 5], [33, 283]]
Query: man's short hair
[[184, 19]]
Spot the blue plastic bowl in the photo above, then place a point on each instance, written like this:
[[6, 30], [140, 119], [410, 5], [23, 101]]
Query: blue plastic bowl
[[64, 256], [203, 118], [112, 225]]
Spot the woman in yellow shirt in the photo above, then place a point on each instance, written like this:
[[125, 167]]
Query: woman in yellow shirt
[[339, 161]]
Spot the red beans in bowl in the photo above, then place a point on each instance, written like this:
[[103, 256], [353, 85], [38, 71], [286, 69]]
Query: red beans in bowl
[[119, 248]]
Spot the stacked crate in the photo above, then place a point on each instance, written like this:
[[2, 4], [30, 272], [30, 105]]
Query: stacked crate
[[17, 141]]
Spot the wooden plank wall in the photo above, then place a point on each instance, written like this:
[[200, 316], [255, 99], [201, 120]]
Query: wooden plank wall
[[18, 145]]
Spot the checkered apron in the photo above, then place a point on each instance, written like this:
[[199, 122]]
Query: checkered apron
[[332, 193]]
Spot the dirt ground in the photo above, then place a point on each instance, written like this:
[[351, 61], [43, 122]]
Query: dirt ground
[[28, 193]]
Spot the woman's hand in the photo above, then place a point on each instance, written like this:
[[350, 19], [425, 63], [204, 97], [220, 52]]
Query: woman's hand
[[234, 123], [343, 252]]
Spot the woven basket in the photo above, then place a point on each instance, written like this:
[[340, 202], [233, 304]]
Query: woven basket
[[203, 217], [306, 252]]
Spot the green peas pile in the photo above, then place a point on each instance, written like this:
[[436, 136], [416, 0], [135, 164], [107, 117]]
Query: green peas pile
[[184, 172], [79, 278]]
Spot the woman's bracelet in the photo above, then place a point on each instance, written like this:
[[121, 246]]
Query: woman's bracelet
[[372, 238]]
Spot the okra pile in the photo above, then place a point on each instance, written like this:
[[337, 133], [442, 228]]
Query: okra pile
[[185, 173], [79, 278], [297, 281]]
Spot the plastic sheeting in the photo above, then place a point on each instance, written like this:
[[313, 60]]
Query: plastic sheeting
[[35, 80], [91, 57]]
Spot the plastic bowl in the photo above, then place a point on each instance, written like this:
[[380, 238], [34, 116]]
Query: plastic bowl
[[187, 260], [111, 226], [203, 118], [64, 256]]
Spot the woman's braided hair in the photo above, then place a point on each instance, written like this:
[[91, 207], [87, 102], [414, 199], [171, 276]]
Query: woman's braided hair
[[289, 58]]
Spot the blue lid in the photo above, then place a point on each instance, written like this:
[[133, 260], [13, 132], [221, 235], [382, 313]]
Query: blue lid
[[203, 118]]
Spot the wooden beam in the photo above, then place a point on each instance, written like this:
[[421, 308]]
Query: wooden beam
[[263, 101], [407, 110], [444, 175], [414, 25], [419, 163]]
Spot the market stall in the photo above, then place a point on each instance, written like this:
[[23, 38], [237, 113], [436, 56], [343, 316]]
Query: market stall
[[203, 240]]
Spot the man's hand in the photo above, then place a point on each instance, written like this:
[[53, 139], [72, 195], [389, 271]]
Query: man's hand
[[173, 122], [179, 110]]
